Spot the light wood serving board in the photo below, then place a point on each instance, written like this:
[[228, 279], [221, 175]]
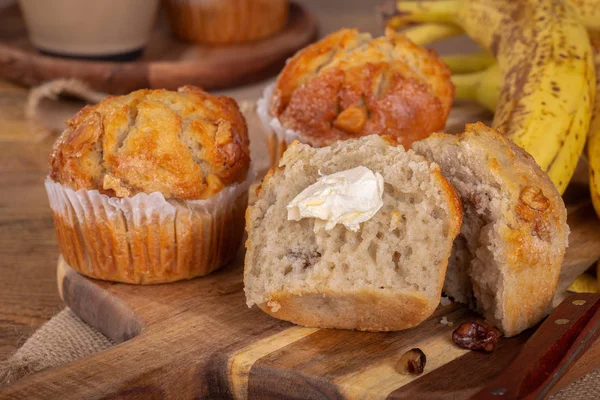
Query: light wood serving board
[[197, 339], [167, 62]]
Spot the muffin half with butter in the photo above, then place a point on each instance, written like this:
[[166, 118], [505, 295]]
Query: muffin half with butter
[[151, 187], [350, 85], [355, 235]]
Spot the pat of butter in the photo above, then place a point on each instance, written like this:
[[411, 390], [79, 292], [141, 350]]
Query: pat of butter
[[347, 197]]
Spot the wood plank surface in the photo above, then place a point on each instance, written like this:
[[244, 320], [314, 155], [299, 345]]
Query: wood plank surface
[[28, 295], [198, 339]]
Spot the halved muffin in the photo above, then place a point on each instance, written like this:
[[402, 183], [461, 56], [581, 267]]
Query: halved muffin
[[380, 273]]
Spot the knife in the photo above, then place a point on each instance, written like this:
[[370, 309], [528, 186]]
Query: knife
[[549, 353]]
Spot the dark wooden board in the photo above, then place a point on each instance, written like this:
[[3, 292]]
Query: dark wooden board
[[167, 62], [198, 339]]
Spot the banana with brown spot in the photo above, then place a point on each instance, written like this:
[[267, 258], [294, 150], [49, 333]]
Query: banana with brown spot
[[593, 144], [544, 55]]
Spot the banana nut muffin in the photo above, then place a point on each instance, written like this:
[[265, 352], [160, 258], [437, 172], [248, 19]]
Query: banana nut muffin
[[151, 187], [186, 144], [349, 85]]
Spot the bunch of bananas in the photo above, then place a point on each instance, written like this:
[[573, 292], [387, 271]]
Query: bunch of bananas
[[537, 72]]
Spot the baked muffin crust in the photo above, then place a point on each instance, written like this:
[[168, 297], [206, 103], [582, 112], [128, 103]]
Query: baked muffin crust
[[350, 85], [513, 239], [186, 144]]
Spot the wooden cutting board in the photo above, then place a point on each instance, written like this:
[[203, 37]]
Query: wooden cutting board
[[167, 62], [197, 339]]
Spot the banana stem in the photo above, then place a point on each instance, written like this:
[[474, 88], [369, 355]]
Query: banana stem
[[466, 85], [431, 32], [467, 63], [423, 11], [482, 87]]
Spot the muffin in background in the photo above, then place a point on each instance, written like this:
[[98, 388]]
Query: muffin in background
[[226, 21], [151, 187], [349, 85]]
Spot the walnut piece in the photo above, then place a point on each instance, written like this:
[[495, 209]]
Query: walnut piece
[[475, 336], [352, 119], [110, 182], [534, 198], [395, 220], [305, 258], [412, 362]]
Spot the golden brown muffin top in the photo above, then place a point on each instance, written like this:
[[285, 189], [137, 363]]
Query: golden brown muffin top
[[186, 144], [349, 85]]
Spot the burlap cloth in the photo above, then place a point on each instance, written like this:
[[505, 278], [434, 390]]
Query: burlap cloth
[[63, 339], [66, 337]]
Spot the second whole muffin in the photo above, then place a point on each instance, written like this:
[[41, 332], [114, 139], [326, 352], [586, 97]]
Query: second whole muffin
[[151, 187], [349, 85]]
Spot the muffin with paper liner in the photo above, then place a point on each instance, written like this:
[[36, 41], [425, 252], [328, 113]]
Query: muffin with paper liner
[[151, 187], [220, 22], [349, 85]]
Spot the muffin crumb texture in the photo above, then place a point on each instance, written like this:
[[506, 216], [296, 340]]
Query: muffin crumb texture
[[388, 275], [186, 144]]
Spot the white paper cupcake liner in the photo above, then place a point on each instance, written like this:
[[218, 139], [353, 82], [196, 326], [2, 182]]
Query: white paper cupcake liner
[[277, 137], [147, 238]]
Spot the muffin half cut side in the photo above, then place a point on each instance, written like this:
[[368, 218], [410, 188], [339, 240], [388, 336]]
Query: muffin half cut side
[[388, 275], [508, 256]]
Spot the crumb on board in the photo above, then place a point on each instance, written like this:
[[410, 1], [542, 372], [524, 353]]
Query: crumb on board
[[445, 301]]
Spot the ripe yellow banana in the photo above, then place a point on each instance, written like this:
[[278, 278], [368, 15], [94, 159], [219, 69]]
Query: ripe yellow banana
[[408, 12], [587, 283], [593, 144], [482, 87], [470, 62], [442, 11], [429, 33], [589, 12], [546, 62]]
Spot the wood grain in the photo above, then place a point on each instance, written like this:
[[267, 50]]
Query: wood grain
[[28, 296], [555, 346], [167, 62], [198, 339]]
